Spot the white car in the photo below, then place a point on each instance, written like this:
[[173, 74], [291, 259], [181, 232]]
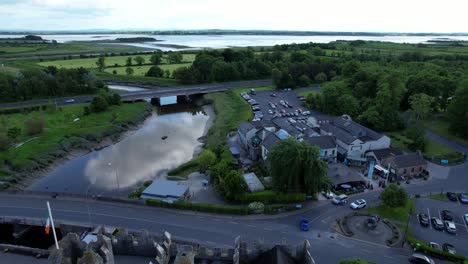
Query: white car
[[450, 227], [358, 204], [70, 101]]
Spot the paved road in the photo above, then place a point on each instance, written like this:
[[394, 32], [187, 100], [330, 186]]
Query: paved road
[[447, 142], [156, 93]]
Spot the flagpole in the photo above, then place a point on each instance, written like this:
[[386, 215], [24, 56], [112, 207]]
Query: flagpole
[[53, 226]]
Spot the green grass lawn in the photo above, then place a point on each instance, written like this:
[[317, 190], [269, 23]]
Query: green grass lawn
[[305, 94], [441, 126], [142, 70], [61, 130], [398, 213], [110, 61], [20, 48], [438, 196]]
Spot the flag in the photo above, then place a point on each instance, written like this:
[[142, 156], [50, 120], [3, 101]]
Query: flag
[[47, 227]]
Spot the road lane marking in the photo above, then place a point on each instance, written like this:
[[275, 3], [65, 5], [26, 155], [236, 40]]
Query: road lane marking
[[364, 241], [367, 251], [232, 222], [216, 219], [251, 226]]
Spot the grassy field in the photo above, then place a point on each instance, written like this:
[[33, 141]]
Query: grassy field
[[305, 94], [20, 48], [398, 213], [230, 109], [61, 132], [110, 61], [438, 196], [142, 70], [441, 126]]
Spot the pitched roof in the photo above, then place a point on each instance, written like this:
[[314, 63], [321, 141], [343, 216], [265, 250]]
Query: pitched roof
[[276, 255], [245, 127], [270, 141], [386, 152], [409, 160], [323, 142], [340, 134], [357, 130]]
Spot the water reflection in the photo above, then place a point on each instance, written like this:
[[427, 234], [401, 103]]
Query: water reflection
[[141, 156]]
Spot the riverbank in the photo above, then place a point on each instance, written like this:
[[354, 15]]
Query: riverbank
[[68, 134]]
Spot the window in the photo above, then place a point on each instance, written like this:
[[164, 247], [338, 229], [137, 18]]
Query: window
[[420, 168], [404, 170], [412, 170], [326, 152], [333, 152]]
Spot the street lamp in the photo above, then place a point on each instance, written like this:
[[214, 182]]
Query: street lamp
[[116, 178]]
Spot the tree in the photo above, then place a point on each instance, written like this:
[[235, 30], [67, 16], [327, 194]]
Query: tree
[[129, 71], [295, 167], [156, 58], [34, 126], [139, 60], [320, 77], [129, 61], [355, 261], [14, 133], [206, 159], [303, 81], [4, 142], [167, 73], [234, 185], [421, 105], [394, 196], [155, 71], [348, 104], [114, 99], [416, 134], [98, 104], [184, 75], [174, 57], [101, 63], [458, 110]]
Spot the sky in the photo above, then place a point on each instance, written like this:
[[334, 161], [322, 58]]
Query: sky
[[305, 15]]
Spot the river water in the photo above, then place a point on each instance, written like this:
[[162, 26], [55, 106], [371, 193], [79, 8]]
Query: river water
[[226, 41], [142, 154]]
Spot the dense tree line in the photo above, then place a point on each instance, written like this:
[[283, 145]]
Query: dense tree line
[[51, 82]]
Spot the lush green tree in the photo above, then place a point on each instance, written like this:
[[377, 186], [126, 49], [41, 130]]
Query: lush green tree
[[421, 105], [234, 185], [202, 67], [155, 71], [167, 73], [156, 58], [350, 68], [206, 159], [114, 99], [98, 104], [417, 135], [348, 104], [321, 77], [14, 133], [128, 62], [295, 167], [101, 63], [129, 71], [184, 75], [174, 57], [222, 71], [394, 196], [355, 261], [139, 60], [303, 81], [457, 111], [4, 142]]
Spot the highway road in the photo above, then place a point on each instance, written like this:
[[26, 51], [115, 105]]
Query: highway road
[[153, 93]]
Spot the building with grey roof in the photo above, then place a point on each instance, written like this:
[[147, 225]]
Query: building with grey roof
[[253, 183], [267, 144], [327, 146], [377, 155], [168, 191], [407, 165]]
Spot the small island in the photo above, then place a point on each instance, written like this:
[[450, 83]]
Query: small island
[[136, 39]]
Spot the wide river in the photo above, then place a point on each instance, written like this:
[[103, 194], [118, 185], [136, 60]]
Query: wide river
[[143, 154], [226, 41]]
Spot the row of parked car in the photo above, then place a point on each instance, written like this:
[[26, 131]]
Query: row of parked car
[[463, 198], [258, 115]]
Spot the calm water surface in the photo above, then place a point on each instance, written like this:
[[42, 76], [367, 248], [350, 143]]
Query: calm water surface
[[142, 155]]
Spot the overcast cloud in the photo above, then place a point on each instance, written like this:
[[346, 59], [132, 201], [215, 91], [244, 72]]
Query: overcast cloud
[[310, 15]]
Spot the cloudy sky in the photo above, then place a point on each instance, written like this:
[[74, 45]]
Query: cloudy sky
[[311, 15]]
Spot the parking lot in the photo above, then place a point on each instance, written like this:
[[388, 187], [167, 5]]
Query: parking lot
[[433, 208]]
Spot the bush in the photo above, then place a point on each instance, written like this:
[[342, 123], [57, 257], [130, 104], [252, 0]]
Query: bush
[[86, 110], [426, 249], [155, 71], [98, 104], [34, 126], [394, 196], [4, 142], [200, 207], [273, 197], [137, 193]]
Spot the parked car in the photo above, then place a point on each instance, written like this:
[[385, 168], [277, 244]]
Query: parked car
[[358, 204], [452, 196], [449, 248], [423, 219], [327, 194], [466, 218], [450, 227], [437, 223], [340, 199], [446, 215], [304, 224], [273, 94], [69, 100], [463, 198], [419, 258], [435, 245]]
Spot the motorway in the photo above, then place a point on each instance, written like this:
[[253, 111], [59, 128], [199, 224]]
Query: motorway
[[148, 94]]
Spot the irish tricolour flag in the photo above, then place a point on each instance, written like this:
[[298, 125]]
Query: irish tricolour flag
[[47, 226], [49, 222]]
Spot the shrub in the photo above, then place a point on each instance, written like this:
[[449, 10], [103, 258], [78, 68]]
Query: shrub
[[426, 249], [86, 110], [256, 207], [4, 142], [273, 197], [155, 71], [98, 104], [34, 126], [394, 196]]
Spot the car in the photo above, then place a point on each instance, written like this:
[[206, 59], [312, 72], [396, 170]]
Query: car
[[446, 215], [358, 204], [340, 199], [304, 224], [270, 112], [466, 218], [450, 227], [419, 258], [463, 198], [435, 245], [273, 94], [69, 101], [437, 223], [327, 194], [452, 196], [423, 219], [449, 248]]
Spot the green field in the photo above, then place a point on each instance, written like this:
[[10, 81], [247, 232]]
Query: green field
[[61, 132], [110, 61], [441, 126], [142, 70], [20, 48], [398, 213]]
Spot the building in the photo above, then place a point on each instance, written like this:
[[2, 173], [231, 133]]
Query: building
[[268, 143], [377, 155], [253, 183], [407, 165], [327, 146], [168, 191]]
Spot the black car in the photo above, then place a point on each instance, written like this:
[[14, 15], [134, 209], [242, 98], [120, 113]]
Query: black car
[[447, 215], [423, 219], [452, 196], [449, 248], [437, 223]]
